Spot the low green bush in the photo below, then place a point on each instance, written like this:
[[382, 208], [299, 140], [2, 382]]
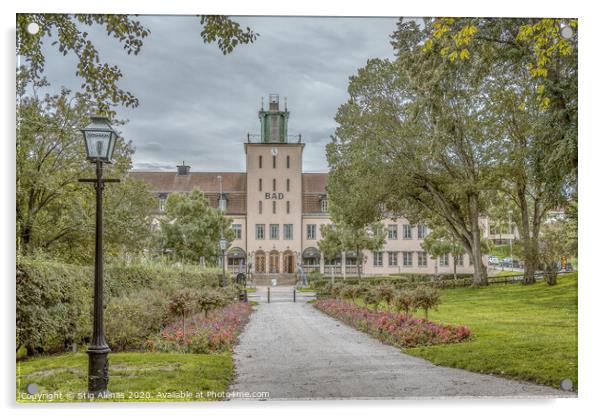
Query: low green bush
[[54, 301]]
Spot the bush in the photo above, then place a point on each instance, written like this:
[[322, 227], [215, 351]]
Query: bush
[[131, 319], [426, 298], [54, 300], [393, 328]]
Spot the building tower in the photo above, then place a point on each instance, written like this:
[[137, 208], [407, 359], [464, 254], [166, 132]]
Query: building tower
[[274, 122], [274, 196]]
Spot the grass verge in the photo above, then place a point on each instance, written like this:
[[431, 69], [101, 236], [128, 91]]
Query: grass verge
[[522, 332], [132, 377]]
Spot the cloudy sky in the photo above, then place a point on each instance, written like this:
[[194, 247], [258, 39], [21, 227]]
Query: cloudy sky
[[197, 105]]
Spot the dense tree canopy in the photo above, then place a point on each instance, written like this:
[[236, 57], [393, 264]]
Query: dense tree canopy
[[191, 228], [462, 114]]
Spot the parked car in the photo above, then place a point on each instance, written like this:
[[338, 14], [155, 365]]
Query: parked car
[[493, 260], [512, 263]]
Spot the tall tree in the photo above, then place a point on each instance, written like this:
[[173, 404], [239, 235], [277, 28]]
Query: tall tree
[[532, 111], [412, 142], [440, 243], [191, 228], [343, 237], [55, 213]]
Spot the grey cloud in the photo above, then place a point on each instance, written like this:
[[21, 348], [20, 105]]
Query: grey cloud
[[198, 105]]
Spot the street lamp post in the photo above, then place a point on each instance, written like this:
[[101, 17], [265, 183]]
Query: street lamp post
[[511, 238], [99, 139], [223, 245]]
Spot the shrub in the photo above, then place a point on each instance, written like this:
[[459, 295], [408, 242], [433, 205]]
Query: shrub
[[54, 300], [371, 298], [385, 293], [403, 300], [393, 328], [426, 298], [215, 332], [131, 319]]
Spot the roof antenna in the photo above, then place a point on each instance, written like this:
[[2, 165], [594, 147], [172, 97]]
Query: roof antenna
[[261, 103], [285, 109]]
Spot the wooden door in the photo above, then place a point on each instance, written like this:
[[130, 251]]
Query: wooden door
[[274, 263], [260, 263]]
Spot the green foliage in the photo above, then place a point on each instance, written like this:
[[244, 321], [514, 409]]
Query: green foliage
[[226, 31], [340, 237], [131, 318], [191, 228], [554, 243], [411, 144], [426, 298], [56, 214], [54, 301], [404, 301]]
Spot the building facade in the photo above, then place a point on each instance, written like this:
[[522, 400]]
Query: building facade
[[277, 210]]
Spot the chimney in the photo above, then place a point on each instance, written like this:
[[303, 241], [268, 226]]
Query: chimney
[[183, 169]]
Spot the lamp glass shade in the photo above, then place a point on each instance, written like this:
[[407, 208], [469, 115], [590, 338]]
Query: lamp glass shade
[[100, 139], [223, 244]]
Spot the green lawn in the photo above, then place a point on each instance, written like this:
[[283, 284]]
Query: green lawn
[[136, 376], [522, 332]]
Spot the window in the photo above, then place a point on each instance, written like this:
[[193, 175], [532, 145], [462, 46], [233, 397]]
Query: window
[[273, 207], [260, 160], [237, 229], [460, 260], [407, 231], [274, 184], [162, 203], [421, 258], [444, 260], [260, 231], [260, 207], [288, 232], [288, 207], [311, 232], [407, 259], [421, 231], [392, 228], [260, 184], [392, 258], [288, 161], [378, 258], [274, 161], [324, 205], [274, 231], [288, 185]]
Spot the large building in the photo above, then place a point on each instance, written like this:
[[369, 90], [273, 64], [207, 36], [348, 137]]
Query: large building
[[277, 210]]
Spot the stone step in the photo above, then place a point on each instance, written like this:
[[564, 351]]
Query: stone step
[[281, 279]]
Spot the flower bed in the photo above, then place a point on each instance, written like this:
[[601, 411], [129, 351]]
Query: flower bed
[[217, 332], [393, 328]]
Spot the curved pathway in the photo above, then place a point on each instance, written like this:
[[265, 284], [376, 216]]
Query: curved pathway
[[293, 351]]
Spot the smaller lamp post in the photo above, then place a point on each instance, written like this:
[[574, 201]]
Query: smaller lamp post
[[100, 141], [511, 238], [223, 245]]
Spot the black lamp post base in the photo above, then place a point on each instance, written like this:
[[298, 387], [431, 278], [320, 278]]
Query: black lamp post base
[[98, 372]]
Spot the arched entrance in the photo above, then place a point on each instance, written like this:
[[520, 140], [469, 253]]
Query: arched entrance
[[288, 265], [236, 260], [274, 262], [260, 262], [311, 260]]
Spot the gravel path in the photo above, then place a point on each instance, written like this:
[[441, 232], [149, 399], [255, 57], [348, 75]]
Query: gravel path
[[293, 351]]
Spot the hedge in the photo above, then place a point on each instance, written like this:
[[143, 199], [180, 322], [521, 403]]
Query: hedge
[[54, 300]]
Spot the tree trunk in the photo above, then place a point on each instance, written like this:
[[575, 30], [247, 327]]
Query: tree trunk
[[455, 268], [480, 272]]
